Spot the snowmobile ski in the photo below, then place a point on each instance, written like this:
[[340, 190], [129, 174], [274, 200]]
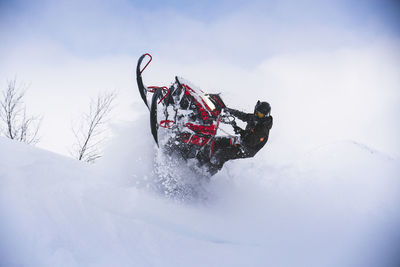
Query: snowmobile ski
[[142, 89], [153, 115]]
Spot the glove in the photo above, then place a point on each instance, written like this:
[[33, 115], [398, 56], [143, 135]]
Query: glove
[[237, 129], [227, 110]]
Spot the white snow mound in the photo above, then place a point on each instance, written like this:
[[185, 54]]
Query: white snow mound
[[336, 206]]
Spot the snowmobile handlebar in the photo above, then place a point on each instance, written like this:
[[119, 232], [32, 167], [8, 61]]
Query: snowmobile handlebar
[[228, 119], [231, 120]]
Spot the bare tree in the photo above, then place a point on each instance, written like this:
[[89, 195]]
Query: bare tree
[[14, 123], [90, 132]]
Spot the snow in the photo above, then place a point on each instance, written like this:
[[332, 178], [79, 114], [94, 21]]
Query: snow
[[337, 205]]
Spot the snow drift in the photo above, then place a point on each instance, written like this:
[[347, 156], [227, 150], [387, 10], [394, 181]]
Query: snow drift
[[337, 205]]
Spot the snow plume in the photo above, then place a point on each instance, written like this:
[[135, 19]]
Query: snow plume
[[137, 161]]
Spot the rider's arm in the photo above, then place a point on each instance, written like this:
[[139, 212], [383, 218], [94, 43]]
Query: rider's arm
[[239, 114]]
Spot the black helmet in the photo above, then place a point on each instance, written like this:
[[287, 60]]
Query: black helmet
[[262, 109]]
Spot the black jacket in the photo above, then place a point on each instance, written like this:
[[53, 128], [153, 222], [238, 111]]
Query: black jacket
[[255, 136]]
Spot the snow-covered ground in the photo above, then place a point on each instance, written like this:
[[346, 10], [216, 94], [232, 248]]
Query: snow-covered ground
[[337, 205]]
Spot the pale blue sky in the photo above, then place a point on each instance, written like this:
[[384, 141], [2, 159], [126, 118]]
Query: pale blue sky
[[237, 30]]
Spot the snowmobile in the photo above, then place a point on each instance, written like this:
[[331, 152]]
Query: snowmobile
[[188, 117]]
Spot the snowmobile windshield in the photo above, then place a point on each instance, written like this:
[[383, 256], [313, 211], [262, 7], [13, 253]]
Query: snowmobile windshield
[[207, 100]]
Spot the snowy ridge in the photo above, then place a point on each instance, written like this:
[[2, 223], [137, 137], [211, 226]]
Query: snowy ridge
[[337, 206]]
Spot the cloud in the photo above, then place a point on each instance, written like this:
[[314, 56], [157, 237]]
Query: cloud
[[245, 31]]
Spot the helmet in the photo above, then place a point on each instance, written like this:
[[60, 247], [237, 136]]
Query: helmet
[[262, 109]]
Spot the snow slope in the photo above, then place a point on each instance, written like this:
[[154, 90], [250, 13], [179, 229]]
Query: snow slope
[[335, 206]]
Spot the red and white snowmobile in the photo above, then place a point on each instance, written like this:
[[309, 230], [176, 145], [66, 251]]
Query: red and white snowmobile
[[188, 117]]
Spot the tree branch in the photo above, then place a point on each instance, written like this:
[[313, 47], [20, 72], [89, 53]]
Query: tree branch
[[16, 124], [90, 134]]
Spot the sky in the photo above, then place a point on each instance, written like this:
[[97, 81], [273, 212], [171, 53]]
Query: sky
[[330, 69]]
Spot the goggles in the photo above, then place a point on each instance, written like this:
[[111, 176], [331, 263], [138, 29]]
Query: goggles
[[259, 115]]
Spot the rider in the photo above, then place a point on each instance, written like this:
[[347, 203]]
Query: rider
[[251, 140]]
